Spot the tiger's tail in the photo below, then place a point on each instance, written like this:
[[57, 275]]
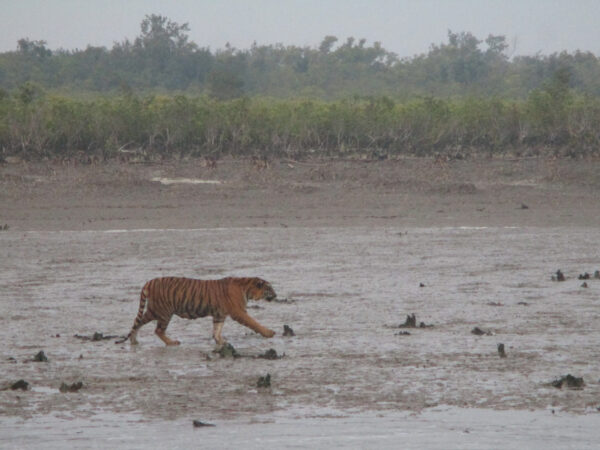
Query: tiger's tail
[[138, 319]]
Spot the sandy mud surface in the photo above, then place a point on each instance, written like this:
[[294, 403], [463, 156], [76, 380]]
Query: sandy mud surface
[[238, 193], [351, 262]]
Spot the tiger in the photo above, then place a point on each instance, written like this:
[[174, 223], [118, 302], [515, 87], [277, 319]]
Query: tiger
[[191, 298]]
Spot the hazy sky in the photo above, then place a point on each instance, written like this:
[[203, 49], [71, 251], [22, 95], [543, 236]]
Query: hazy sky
[[406, 27]]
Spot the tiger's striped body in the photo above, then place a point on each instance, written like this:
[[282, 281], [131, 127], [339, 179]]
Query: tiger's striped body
[[161, 298]]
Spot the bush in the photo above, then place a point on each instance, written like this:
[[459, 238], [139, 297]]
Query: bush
[[41, 125]]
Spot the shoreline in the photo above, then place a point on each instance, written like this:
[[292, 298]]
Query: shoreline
[[404, 193]]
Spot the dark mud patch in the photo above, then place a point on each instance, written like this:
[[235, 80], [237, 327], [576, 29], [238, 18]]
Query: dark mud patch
[[200, 424], [270, 354], [19, 385], [264, 381], [495, 304], [40, 357], [569, 381], [97, 336], [558, 276], [228, 351], [73, 387], [284, 300], [501, 351], [411, 322], [288, 331], [480, 332]]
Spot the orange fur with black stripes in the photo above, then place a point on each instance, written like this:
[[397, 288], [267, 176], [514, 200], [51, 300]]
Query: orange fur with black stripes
[[161, 298]]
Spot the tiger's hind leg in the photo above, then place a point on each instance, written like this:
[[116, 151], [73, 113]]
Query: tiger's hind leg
[[161, 328], [147, 317]]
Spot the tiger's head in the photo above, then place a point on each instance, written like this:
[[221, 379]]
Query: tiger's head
[[260, 289]]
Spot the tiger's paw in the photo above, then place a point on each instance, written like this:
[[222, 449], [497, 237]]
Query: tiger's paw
[[269, 334], [174, 343]]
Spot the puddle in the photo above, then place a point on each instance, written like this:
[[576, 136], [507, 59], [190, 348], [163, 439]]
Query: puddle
[[169, 181], [44, 390]]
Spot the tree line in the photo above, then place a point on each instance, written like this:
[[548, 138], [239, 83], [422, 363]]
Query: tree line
[[162, 58], [554, 118]]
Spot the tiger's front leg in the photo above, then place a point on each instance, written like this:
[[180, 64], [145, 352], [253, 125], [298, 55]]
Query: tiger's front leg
[[249, 322], [217, 328]]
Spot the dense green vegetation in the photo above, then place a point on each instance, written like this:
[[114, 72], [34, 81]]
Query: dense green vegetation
[[162, 94], [36, 125]]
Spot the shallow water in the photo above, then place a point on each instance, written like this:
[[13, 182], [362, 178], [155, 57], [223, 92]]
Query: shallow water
[[346, 369], [437, 428]]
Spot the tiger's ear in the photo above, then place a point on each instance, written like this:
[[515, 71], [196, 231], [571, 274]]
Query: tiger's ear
[[260, 283]]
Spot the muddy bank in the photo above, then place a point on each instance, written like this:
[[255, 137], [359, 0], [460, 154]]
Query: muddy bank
[[237, 193]]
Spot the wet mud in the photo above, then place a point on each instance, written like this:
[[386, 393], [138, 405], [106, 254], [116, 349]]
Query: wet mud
[[61, 282], [342, 287]]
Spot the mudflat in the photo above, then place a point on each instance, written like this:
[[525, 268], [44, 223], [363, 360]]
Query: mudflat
[[352, 248]]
